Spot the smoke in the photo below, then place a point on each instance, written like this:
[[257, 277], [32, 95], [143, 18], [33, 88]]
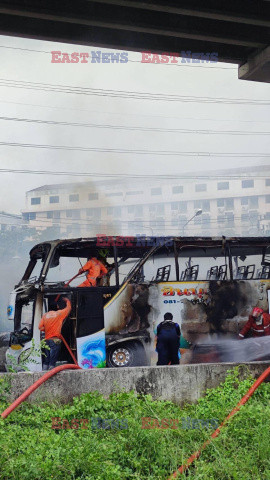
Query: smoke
[[227, 350]]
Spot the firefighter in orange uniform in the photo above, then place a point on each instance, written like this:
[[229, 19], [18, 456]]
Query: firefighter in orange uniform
[[258, 324], [51, 323], [94, 269]]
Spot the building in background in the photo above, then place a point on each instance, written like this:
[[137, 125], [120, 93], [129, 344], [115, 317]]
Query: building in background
[[231, 205], [8, 221]]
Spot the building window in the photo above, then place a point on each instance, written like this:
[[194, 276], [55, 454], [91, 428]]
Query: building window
[[135, 192], [204, 205], [223, 186], [253, 202], [93, 196], [244, 201], [73, 214], [181, 207], [54, 199], [131, 209], [29, 216], [114, 194], [205, 219], [201, 187], [54, 214], [156, 191], [35, 201], [267, 182], [157, 208], [158, 224], [247, 183], [180, 221], [229, 218], [229, 203], [177, 189], [115, 211], [253, 214], [74, 197], [245, 217], [267, 198], [94, 213], [138, 210]]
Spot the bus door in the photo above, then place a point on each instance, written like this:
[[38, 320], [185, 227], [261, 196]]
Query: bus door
[[90, 331]]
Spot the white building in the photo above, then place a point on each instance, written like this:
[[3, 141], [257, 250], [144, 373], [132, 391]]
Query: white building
[[234, 202]]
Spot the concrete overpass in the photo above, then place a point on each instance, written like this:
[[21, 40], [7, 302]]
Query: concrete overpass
[[238, 30]]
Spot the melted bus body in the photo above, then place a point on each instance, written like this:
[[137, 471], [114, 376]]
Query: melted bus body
[[210, 285]]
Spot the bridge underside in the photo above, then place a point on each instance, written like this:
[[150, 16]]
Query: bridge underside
[[237, 30]]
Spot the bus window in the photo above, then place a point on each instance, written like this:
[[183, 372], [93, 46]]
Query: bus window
[[160, 267], [110, 279], [38, 255], [35, 274], [125, 266], [202, 263], [248, 262], [24, 316], [66, 267]]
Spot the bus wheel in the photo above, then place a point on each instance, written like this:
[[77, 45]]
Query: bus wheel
[[126, 355]]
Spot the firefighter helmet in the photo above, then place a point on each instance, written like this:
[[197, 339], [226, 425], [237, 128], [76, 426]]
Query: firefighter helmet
[[256, 312], [103, 252]]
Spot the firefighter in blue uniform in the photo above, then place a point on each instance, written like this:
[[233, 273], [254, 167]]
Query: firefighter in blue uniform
[[168, 341]]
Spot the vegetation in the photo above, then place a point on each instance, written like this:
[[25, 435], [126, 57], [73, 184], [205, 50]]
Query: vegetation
[[31, 449], [30, 357]]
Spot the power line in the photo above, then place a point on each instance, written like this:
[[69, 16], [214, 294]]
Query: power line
[[134, 152], [132, 128], [143, 223], [130, 114], [129, 175], [127, 94]]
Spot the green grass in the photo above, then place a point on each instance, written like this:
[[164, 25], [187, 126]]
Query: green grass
[[31, 449]]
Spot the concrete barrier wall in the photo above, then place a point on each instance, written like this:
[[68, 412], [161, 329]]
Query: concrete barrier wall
[[180, 384]]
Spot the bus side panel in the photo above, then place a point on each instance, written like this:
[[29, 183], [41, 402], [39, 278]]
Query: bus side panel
[[210, 307], [201, 308], [129, 316]]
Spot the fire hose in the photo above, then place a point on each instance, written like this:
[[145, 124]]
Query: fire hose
[[243, 400], [66, 285]]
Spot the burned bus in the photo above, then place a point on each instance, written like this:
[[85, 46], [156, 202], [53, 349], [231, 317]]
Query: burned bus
[[210, 285]]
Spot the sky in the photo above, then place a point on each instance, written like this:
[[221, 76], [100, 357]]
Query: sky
[[26, 60]]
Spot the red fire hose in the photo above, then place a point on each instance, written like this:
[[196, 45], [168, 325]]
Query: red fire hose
[[66, 285], [35, 385], [243, 400]]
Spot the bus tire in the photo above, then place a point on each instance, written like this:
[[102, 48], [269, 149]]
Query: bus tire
[[128, 354]]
